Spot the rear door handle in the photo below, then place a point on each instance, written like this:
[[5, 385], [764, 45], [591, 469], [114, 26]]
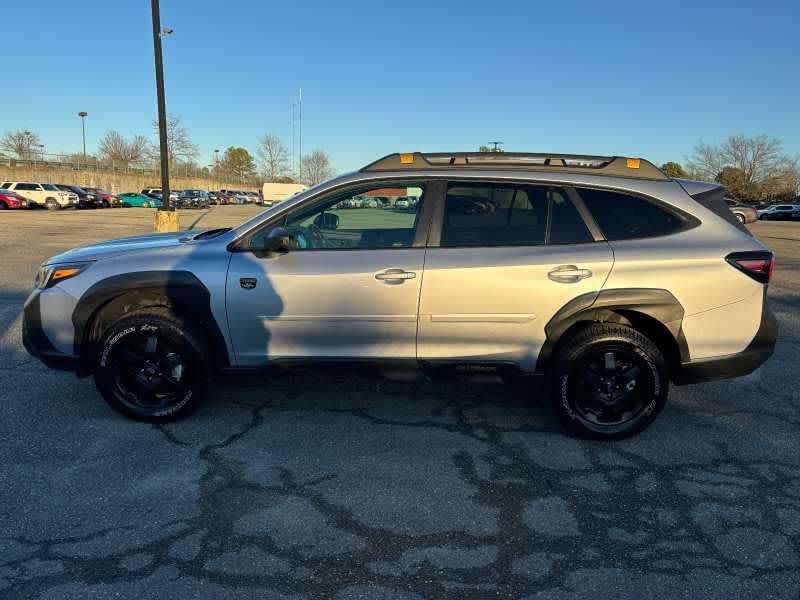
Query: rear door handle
[[568, 274], [395, 276]]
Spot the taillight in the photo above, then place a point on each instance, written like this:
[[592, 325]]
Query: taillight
[[758, 265]]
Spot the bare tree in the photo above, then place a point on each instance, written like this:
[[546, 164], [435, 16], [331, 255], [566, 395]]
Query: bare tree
[[273, 157], [179, 145], [25, 144], [316, 167], [114, 147], [759, 158]]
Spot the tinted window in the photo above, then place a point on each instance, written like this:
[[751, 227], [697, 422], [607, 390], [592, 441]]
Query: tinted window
[[356, 220], [27, 187], [566, 224], [624, 217], [494, 215]]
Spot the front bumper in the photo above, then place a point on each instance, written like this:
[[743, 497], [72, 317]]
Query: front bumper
[[735, 365], [36, 341]]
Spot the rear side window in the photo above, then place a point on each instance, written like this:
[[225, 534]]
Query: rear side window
[[496, 214], [625, 217]]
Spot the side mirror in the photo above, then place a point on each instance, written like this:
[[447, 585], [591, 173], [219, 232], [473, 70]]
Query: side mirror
[[277, 241], [327, 221]]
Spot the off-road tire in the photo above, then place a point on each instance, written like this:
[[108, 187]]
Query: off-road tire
[[595, 338], [176, 333]]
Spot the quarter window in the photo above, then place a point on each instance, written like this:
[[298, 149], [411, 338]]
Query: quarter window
[[624, 217]]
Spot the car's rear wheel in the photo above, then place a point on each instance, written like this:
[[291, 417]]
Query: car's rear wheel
[[610, 381], [3, 205], [153, 366]]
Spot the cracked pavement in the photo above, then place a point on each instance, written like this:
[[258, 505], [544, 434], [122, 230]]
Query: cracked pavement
[[333, 483]]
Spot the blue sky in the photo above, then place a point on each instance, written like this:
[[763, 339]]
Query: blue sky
[[632, 78]]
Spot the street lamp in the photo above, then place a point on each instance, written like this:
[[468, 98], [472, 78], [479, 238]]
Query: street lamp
[[83, 114]]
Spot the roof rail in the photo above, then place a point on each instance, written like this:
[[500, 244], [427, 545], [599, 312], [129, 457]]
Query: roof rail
[[615, 166]]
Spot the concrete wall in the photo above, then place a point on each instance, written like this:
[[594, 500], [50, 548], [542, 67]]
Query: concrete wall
[[114, 182]]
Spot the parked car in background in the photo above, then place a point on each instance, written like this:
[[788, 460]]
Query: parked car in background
[[213, 198], [192, 199], [107, 199], [780, 212], [744, 212], [11, 200], [43, 195], [223, 198], [85, 199], [402, 203], [133, 199], [156, 194]]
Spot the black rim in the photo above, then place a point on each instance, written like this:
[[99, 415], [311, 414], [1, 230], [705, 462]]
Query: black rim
[[150, 373], [610, 385]]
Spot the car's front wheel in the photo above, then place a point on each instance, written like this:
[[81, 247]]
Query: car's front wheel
[[610, 381], [51, 204], [152, 365], [741, 218]]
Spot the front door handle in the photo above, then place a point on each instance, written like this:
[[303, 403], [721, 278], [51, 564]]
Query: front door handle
[[394, 276], [568, 274]]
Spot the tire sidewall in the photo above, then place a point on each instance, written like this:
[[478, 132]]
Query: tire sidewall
[[571, 418], [134, 325]]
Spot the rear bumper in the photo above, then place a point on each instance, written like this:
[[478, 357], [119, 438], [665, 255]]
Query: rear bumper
[[735, 365], [36, 341]]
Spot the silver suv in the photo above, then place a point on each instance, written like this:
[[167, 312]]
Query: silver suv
[[599, 273]]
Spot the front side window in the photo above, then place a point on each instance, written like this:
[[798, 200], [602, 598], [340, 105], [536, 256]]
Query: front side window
[[625, 217], [50, 187], [359, 219]]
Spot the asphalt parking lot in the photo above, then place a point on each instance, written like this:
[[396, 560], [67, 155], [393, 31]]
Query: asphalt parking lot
[[340, 484]]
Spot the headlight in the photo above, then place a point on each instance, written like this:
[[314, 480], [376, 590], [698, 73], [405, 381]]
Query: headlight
[[49, 275]]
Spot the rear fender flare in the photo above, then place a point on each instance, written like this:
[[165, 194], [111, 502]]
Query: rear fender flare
[[612, 306]]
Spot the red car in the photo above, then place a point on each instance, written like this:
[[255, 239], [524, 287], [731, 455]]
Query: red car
[[10, 199], [107, 199]]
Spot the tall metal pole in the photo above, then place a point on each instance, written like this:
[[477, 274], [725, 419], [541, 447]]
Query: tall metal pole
[[162, 109], [300, 116], [83, 114]]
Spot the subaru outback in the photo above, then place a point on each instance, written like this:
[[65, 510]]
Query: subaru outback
[[601, 274]]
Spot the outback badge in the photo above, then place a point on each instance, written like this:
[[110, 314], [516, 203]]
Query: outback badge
[[248, 283]]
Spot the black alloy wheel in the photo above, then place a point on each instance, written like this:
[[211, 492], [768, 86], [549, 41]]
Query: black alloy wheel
[[610, 385]]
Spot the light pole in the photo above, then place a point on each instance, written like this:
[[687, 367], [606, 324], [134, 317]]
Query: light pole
[[164, 222], [83, 114]]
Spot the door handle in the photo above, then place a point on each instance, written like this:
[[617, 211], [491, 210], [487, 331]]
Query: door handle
[[568, 274], [395, 276]]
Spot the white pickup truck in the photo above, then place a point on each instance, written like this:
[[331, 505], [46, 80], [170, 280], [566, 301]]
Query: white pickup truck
[[42, 194]]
